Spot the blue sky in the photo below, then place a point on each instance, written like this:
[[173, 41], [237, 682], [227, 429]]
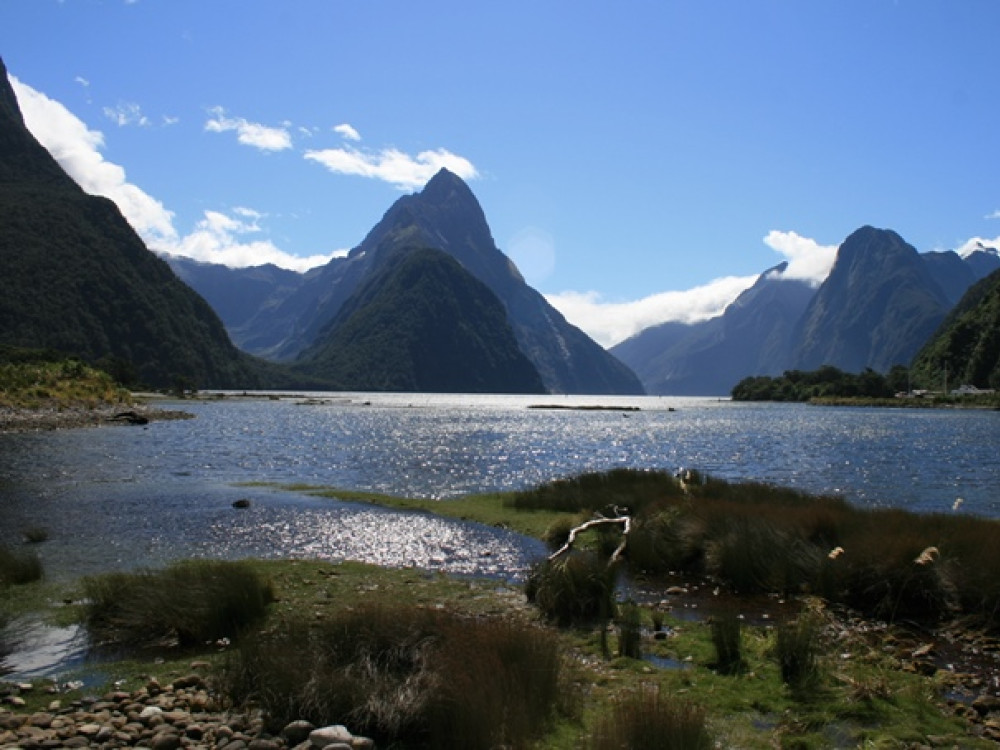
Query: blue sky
[[640, 161]]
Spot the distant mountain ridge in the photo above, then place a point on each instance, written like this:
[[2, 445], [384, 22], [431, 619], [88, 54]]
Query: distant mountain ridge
[[879, 305], [445, 216]]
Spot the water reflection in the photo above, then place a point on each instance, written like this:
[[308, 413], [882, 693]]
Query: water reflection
[[123, 497]]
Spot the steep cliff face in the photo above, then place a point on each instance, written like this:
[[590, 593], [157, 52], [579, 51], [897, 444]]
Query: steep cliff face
[[76, 277]]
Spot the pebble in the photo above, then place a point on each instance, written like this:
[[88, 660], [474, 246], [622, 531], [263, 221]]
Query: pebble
[[158, 717]]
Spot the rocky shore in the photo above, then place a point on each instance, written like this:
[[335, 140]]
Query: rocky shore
[[62, 417], [181, 714]]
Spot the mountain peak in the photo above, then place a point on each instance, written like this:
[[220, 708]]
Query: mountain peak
[[445, 186], [8, 101]]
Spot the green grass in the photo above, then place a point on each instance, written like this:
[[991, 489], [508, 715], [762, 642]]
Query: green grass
[[490, 509]]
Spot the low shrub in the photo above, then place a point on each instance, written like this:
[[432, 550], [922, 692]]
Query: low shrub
[[18, 568], [185, 604], [574, 588], [646, 718], [404, 676]]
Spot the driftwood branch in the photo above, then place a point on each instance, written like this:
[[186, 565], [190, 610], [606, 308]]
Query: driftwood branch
[[624, 521]]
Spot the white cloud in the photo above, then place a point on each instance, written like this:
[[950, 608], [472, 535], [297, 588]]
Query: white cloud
[[82, 81], [219, 238], [126, 113], [76, 148], [348, 132], [993, 215], [254, 134], [977, 243], [393, 166], [807, 259], [609, 323]]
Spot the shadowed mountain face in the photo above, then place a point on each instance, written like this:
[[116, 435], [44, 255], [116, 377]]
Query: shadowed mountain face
[[876, 308], [444, 216], [76, 277], [422, 323], [966, 347]]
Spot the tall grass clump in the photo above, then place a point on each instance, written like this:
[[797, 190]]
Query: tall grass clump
[[727, 638], [798, 649], [574, 588], [646, 718], [597, 491], [629, 625], [18, 568], [755, 556], [185, 604], [406, 676], [757, 538]]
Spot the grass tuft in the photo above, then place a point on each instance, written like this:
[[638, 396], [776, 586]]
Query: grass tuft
[[727, 638], [186, 604], [798, 650], [575, 588], [646, 718], [18, 568], [405, 676]]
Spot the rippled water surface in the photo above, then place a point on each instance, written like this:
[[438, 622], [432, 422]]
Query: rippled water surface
[[125, 497]]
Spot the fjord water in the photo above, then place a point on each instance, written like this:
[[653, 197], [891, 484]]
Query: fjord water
[[132, 497]]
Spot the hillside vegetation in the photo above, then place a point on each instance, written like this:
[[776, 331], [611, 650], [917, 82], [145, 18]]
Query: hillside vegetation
[[36, 380], [966, 348]]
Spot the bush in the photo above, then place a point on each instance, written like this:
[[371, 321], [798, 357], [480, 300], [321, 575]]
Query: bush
[[575, 588], [647, 719], [405, 675], [17, 568], [186, 604]]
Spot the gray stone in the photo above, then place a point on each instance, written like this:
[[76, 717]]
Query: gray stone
[[297, 732], [166, 741], [331, 735]]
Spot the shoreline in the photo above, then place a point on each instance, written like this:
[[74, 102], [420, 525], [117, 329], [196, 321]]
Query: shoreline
[[61, 417]]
